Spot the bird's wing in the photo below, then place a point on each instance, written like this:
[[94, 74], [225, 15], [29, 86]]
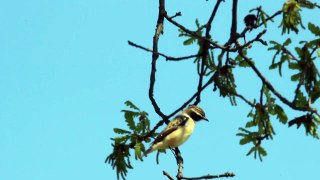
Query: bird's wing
[[177, 122]]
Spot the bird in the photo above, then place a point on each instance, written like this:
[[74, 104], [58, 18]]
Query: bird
[[178, 130]]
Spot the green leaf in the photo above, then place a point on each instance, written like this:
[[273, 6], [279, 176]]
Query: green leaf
[[262, 152], [121, 131], [244, 130], [120, 139], [244, 63], [294, 65], [189, 41], [295, 77], [273, 42], [251, 150], [250, 124], [129, 116], [273, 66], [131, 105], [119, 159], [291, 17], [281, 115], [301, 100], [280, 66], [137, 151], [287, 42], [197, 23], [245, 140], [263, 19], [313, 43], [315, 94], [314, 29], [299, 51]]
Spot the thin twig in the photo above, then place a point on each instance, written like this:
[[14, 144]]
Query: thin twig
[[257, 38], [214, 44], [285, 50], [168, 175], [270, 18], [227, 174], [168, 58], [176, 15], [246, 29], [245, 100], [150, 133], [297, 90], [261, 94]]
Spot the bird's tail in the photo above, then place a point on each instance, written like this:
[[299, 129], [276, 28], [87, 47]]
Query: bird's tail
[[148, 151]]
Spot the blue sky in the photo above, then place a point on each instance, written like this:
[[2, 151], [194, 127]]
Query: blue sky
[[66, 70]]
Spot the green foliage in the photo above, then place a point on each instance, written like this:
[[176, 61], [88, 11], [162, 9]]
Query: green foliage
[[131, 105], [190, 38], [139, 127], [314, 29], [306, 4], [138, 151], [209, 57], [281, 115], [315, 93], [226, 84], [239, 61], [121, 131], [308, 75], [285, 55], [291, 17], [260, 119], [255, 138], [300, 100], [119, 159]]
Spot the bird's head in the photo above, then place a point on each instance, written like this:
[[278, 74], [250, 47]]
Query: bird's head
[[196, 113]]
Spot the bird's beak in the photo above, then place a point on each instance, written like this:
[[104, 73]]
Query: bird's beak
[[205, 119]]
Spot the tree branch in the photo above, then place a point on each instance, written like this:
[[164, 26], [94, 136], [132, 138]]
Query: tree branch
[[179, 162], [155, 55], [205, 50], [233, 32], [272, 89]]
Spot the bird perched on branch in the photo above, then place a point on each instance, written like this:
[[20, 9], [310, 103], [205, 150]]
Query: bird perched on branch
[[178, 130]]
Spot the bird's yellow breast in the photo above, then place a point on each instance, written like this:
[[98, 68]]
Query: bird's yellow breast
[[180, 135]]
